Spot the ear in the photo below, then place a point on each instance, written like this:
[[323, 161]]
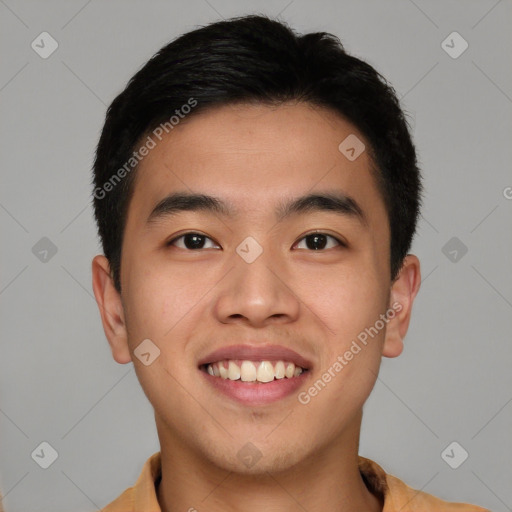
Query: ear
[[403, 292], [111, 309]]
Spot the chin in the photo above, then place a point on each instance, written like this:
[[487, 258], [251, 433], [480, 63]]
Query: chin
[[256, 459]]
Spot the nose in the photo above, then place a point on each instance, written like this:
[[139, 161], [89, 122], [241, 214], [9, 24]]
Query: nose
[[257, 293]]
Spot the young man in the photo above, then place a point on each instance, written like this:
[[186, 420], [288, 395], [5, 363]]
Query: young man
[[256, 194]]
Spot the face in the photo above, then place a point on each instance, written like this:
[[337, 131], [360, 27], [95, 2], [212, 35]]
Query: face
[[258, 276]]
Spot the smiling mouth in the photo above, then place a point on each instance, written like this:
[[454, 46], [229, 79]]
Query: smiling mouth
[[252, 371]]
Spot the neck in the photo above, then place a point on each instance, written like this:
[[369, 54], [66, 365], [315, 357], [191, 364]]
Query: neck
[[328, 480]]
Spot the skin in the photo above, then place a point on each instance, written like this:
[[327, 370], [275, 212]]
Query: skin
[[191, 302]]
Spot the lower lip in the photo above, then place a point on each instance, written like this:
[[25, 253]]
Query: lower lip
[[257, 393]]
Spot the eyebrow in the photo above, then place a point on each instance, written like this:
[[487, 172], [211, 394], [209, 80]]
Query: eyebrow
[[336, 202]]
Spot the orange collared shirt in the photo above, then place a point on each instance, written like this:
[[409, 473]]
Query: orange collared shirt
[[396, 494]]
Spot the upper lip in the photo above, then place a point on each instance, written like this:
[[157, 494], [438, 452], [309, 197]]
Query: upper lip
[[256, 353]]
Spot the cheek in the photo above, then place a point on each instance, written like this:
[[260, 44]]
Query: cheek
[[350, 306], [348, 301], [162, 308], [159, 300]]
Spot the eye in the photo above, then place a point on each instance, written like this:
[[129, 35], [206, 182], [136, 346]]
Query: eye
[[313, 241], [318, 241], [192, 241]]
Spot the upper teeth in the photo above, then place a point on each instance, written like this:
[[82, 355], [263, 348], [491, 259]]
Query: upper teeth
[[249, 371]]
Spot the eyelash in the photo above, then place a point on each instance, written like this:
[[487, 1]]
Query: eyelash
[[340, 242]]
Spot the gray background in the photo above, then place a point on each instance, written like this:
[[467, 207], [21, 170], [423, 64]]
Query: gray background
[[58, 381]]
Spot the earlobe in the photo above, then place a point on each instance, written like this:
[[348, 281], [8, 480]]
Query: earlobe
[[403, 292], [111, 309]]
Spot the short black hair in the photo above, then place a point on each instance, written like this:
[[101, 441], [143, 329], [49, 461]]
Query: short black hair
[[255, 59]]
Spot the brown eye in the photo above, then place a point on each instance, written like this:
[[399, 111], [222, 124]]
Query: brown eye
[[191, 241], [320, 241]]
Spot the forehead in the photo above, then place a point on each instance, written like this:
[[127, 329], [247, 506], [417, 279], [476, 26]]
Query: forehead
[[254, 155]]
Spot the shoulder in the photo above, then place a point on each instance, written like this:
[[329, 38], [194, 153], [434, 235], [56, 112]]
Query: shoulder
[[123, 503], [398, 496], [405, 498], [141, 497]]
